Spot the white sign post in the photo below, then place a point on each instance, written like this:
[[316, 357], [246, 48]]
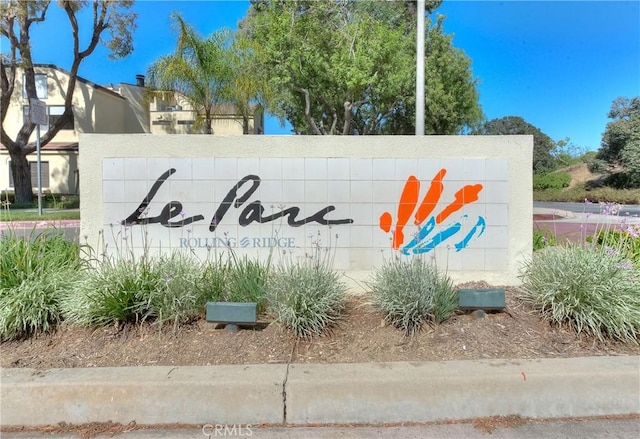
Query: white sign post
[[38, 115]]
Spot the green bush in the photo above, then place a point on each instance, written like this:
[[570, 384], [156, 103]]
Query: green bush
[[38, 255], [163, 289], [245, 281], [554, 180], [579, 193], [542, 239], [49, 200], [587, 288], [34, 272], [626, 242], [307, 298], [116, 291], [214, 280], [410, 292], [33, 307], [597, 166], [183, 294], [623, 180]]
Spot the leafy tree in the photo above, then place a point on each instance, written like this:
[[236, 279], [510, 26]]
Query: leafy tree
[[348, 67], [543, 146], [201, 70], [620, 146], [248, 88], [109, 17]]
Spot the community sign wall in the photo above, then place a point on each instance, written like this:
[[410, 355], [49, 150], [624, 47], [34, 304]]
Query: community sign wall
[[464, 202]]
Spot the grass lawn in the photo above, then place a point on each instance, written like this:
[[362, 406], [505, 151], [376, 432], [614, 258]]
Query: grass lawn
[[20, 215]]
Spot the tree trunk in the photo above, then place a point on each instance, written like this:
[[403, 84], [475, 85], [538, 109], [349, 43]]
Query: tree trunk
[[21, 178], [245, 124]]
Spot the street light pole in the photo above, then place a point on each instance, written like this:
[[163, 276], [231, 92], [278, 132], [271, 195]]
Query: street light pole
[[420, 71]]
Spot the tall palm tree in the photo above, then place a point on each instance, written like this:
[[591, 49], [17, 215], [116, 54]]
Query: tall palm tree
[[200, 70]]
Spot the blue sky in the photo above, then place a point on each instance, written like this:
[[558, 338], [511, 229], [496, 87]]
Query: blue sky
[[557, 64]]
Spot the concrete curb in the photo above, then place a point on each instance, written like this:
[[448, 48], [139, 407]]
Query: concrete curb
[[325, 394], [148, 395], [565, 214]]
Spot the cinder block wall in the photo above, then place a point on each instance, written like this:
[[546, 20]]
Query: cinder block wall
[[464, 202]]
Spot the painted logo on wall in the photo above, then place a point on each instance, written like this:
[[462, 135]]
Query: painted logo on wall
[[429, 235], [252, 212]]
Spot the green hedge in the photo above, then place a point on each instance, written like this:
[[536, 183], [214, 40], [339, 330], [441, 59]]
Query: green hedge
[[555, 180]]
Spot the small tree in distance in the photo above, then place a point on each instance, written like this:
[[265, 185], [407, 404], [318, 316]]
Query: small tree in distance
[[543, 145], [620, 147]]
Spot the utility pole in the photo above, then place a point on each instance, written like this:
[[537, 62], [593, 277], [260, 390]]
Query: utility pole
[[420, 71]]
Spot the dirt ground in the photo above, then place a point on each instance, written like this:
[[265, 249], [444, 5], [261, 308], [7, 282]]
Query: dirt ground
[[362, 336], [580, 174]]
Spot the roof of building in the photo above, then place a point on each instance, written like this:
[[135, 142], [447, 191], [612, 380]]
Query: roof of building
[[80, 79]]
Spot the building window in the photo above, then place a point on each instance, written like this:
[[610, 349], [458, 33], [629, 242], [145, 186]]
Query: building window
[[41, 86], [54, 112], [33, 166]]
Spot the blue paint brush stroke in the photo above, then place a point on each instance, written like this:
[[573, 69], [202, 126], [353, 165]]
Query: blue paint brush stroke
[[465, 242], [438, 239], [422, 234]]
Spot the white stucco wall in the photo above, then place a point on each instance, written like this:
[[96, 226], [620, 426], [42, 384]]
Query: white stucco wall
[[361, 180]]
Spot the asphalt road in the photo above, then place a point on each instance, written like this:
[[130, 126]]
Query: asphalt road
[[631, 209]]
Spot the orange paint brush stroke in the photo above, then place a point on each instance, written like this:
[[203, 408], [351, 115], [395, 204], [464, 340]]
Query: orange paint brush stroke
[[466, 195], [408, 202], [386, 221], [431, 199]]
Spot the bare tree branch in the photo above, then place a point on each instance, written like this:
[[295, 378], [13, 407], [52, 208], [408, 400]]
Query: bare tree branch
[[307, 110]]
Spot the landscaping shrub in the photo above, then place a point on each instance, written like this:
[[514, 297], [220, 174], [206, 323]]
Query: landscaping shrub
[[587, 288], [34, 272], [38, 255], [215, 275], [542, 239], [33, 306], [554, 180], [163, 289], [623, 180], [307, 298], [410, 292], [579, 193], [117, 291], [626, 242], [246, 281], [49, 200], [183, 293]]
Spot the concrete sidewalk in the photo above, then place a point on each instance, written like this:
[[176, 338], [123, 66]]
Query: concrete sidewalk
[[627, 427], [303, 394]]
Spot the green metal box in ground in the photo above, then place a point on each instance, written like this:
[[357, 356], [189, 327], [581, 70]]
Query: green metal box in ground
[[232, 312], [486, 299]]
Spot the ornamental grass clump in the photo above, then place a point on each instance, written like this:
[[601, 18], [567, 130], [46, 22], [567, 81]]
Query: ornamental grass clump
[[34, 256], [172, 288], [307, 298], [35, 272], [246, 281], [589, 288], [412, 292], [116, 291], [33, 307], [182, 294]]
